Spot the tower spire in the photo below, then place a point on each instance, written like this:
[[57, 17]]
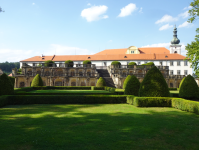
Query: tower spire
[[175, 39]]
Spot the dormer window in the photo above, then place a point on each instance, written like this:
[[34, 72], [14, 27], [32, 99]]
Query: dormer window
[[125, 56], [132, 52], [89, 57]]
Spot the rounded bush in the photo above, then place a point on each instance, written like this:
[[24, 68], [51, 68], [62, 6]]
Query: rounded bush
[[149, 64], [126, 80], [132, 63], [48, 63], [100, 82], [6, 86], [115, 63], [37, 81], [69, 62], [132, 86], [189, 88], [154, 84], [86, 62]]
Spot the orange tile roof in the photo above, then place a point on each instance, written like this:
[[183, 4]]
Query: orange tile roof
[[39, 58], [157, 50], [10, 75], [112, 51], [109, 57]]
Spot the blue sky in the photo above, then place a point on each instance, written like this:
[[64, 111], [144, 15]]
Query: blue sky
[[63, 27]]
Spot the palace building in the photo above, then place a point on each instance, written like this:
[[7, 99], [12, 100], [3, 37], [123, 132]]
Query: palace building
[[170, 62]]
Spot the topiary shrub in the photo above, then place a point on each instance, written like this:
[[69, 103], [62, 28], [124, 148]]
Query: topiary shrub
[[126, 80], [132, 86], [85, 62], [12, 79], [37, 81], [149, 64], [49, 63], [115, 63], [189, 88], [154, 84], [69, 62], [6, 86], [132, 63], [100, 82], [181, 83]]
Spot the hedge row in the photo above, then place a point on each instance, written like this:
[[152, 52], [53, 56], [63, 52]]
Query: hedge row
[[110, 89], [149, 101], [61, 99], [97, 88], [186, 105]]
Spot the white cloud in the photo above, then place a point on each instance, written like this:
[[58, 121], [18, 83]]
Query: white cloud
[[33, 3], [165, 27], [127, 10], [110, 41], [165, 19], [140, 11], [167, 45], [185, 24], [94, 13], [185, 14], [189, 7], [89, 4]]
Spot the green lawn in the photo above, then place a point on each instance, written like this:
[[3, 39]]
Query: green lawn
[[97, 127]]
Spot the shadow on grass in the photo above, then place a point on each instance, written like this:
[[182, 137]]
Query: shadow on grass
[[100, 126]]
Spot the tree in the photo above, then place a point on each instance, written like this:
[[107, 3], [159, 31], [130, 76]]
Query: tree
[[49, 63], [100, 82], [6, 86], [132, 86], [69, 62], [126, 80], [192, 49], [37, 81]]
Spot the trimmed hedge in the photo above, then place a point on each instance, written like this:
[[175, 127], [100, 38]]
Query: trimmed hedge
[[69, 62], [85, 62], [181, 84], [149, 101], [6, 86], [149, 64], [132, 86], [12, 79], [100, 82], [110, 89], [3, 100], [173, 89], [126, 80], [132, 63], [186, 105], [37, 81], [61, 99], [97, 88], [154, 84], [116, 63], [49, 63]]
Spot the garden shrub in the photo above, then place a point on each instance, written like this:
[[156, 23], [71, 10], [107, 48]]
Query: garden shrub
[[3, 100], [154, 84], [110, 89], [132, 63], [132, 86], [149, 101], [116, 63], [69, 62], [181, 83], [126, 80], [149, 64], [49, 63], [185, 105], [189, 88], [173, 89], [37, 81], [97, 88], [100, 82], [85, 62], [6, 86], [12, 79]]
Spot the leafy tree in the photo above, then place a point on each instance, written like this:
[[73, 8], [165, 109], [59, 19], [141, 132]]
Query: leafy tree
[[192, 49], [37, 81], [7, 67], [48, 63], [100, 82], [132, 86], [69, 62]]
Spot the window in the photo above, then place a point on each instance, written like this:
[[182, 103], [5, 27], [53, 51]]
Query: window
[[132, 52], [171, 63], [185, 72], [178, 72], [160, 63], [178, 63], [185, 63], [145, 62], [171, 72], [139, 63], [127, 62], [171, 85]]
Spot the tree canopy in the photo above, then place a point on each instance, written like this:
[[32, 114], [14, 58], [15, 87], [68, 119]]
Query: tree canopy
[[193, 48]]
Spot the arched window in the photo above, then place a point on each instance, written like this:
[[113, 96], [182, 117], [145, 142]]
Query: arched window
[[73, 83], [58, 83], [171, 85], [72, 73], [38, 72], [83, 84], [92, 83], [47, 73], [80, 73], [22, 84]]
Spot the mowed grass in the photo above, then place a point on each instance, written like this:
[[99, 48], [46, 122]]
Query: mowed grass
[[96, 127], [68, 91]]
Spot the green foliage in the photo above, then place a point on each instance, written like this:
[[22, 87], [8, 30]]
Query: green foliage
[[69, 62], [12, 79], [100, 82], [116, 63], [173, 89], [97, 88], [149, 64], [37, 81], [3, 100], [186, 105], [85, 62], [132, 63], [126, 80], [149, 101], [110, 89], [132, 86], [181, 83], [154, 84], [189, 88], [49, 63], [6, 86], [8, 66], [192, 54]]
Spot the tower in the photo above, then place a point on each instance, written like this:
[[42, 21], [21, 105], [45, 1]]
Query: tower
[[175, 47]]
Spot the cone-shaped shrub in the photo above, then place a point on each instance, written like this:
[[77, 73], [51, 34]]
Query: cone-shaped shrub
[[189, 88], [100, 82], [181, 83], [154, 84], [69, 62], [126, 80], [6, 86], [132, 86], [37, 81]]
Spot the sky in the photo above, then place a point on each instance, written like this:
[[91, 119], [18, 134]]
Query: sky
[[31, 28]]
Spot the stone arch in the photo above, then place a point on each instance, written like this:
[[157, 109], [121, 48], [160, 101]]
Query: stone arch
[[38, 71], [72, 73], [58, 82], [83, 83], [73, 83], [92, 83], [171, 84], [22, 84], [29, 72], [88, 73]]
